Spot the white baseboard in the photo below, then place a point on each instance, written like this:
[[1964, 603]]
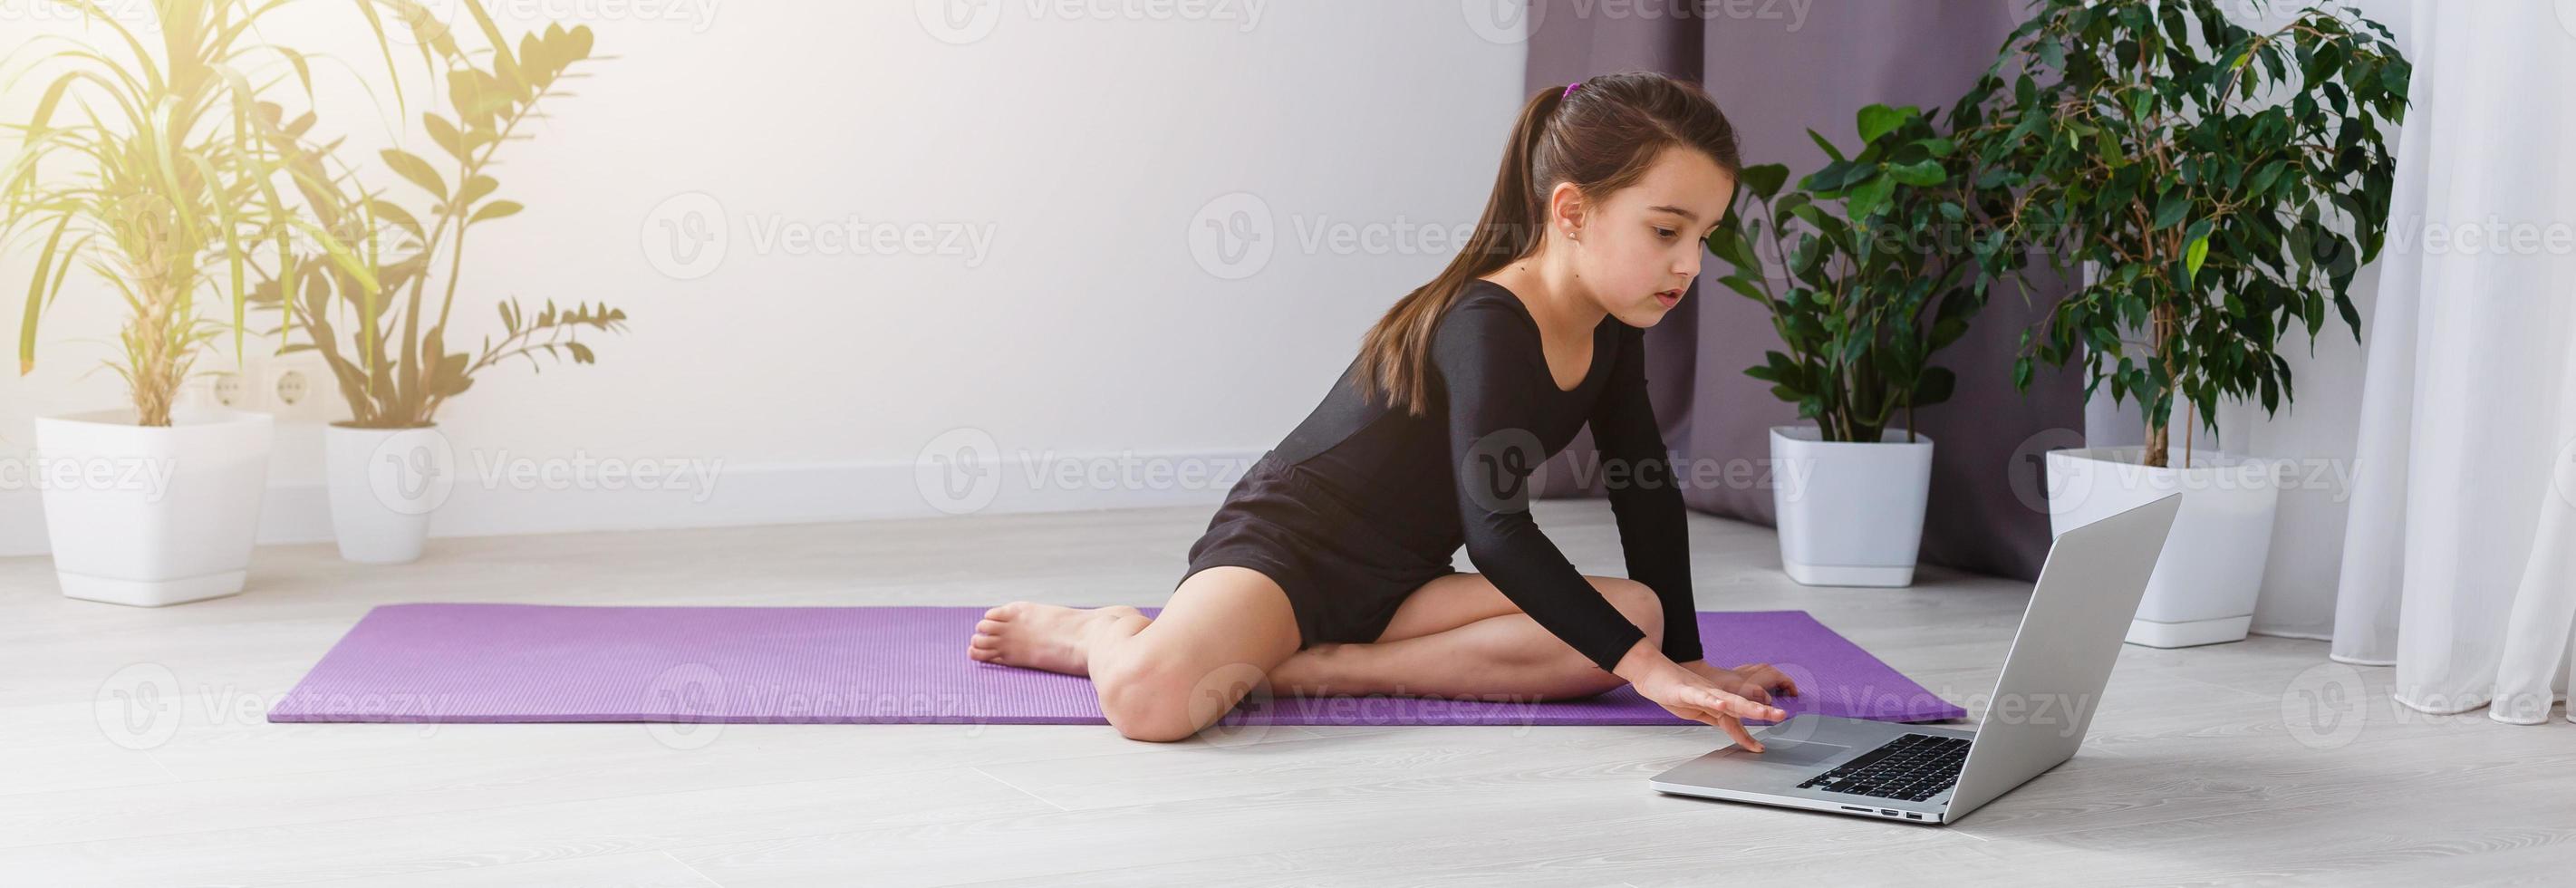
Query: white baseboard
[[490, 505]]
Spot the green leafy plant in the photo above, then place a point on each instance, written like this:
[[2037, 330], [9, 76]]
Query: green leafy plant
[[1867, 294], [145, 162], [2223, 184], [374, 321]]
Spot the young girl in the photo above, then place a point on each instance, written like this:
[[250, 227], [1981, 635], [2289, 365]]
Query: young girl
[[1327, 568]]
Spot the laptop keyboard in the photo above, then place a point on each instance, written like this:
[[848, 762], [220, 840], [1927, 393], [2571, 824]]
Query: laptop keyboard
[[1913, 767]]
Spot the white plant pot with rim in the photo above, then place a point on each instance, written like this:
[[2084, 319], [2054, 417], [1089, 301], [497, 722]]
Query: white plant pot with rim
[[1850, 513], [153, 515], [2211, 571], [384, 484]]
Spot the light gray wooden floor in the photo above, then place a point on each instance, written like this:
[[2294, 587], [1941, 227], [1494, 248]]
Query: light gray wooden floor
[[2248, 762]]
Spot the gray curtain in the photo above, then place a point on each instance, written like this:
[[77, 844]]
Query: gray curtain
[[1777, 75]]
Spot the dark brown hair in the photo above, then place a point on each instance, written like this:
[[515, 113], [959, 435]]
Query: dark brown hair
[[1601, 137]]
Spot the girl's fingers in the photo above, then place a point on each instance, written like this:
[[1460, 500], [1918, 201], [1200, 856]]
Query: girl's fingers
[[1768, 676], [1730, 705], [1743, 708], [1734, 728]]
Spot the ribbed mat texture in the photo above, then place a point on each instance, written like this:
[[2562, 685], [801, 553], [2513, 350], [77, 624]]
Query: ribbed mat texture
[[908, 665]]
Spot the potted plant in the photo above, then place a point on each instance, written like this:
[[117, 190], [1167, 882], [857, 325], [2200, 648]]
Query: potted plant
[[142, 164], [1866, 296], [2221, 185], [377, 324]]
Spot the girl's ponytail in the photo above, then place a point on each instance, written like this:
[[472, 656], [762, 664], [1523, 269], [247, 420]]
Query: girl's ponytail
[[1599, 134]]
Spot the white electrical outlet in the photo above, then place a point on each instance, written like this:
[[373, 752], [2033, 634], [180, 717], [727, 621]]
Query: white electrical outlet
[[292, 387], [198, 390], [232, 389], [286, 387]]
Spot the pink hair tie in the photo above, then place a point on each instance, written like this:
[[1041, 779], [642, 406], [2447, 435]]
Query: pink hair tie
[[1569, 90]]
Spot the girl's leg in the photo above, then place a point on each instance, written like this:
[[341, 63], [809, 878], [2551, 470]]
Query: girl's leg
[[1163, 678], [1458, 636]]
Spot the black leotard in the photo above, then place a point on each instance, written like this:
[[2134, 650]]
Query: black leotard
[[1459, 473]]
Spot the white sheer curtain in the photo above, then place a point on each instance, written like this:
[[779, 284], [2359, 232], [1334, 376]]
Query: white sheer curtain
[[2459, 555]]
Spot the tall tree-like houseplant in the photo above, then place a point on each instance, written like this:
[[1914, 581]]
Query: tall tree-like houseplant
[[1882, 266], [382, 324], [2220, 185], [144, 164]]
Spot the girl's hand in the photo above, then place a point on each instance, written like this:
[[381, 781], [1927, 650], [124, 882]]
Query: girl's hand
[[1687, 693], [1752, 681]]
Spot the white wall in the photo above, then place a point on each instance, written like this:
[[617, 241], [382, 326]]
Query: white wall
[[1085, 144], [2299, 583]]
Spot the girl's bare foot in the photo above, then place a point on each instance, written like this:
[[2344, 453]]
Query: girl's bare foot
[[1041, 636]]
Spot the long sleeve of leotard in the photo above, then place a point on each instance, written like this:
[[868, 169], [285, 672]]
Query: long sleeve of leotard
[[1653, 531], [1493, 369]]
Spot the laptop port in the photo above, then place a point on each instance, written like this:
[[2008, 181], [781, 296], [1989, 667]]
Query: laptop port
[[1891, 812], [1909, 815], [1850, 808]]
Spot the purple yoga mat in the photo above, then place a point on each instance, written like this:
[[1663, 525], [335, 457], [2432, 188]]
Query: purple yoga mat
[[908, 665]]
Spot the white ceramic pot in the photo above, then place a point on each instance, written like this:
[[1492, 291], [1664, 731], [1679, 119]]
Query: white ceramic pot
[[384, 485], [153, 515], [2211, 571], [1850, 513]]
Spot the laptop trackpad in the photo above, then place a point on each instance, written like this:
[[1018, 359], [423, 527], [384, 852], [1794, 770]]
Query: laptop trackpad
[[1792, 752]]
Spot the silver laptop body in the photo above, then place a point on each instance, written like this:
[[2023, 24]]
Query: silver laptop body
[[2053, 677]]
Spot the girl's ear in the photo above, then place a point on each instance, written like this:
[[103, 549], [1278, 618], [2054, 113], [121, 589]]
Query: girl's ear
[[1567, 211]]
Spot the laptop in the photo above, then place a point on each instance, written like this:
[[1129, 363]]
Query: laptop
[[2053, 676]]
